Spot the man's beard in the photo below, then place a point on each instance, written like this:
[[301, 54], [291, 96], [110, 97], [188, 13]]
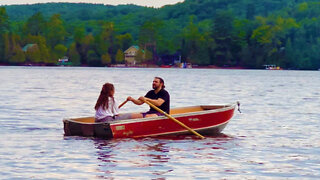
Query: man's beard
[[154, 87]]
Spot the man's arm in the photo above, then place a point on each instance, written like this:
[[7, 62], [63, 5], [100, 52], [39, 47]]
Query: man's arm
[[157, 102], [135, 101]]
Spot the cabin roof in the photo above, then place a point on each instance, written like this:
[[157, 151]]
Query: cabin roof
[[134, 46], [26, 47]]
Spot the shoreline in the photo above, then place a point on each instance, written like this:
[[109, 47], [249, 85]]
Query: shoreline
[[161, 66]]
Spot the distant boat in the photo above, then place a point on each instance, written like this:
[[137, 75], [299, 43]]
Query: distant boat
[[118, 65], [185, 65], [206, 120], [64, 61], [165, 66], [272, 67]]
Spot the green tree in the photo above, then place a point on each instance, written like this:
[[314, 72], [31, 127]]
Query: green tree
[[148, 55], [124, 41], [93, 58], [84, 47], [105, 40], [106, 59], [4, 28], [7, 46], [35, 25], [14, 53], [33, 54], [4, 20], [195, 44], [74, 55], [18, 56], [190, 37], [271, 37], [149, 35], [250, 11], [120, 56], [149, 31], [247, 33], [40, 52], [56, 32], [79, 34], [79, 39], [60, 51], [223, 34]]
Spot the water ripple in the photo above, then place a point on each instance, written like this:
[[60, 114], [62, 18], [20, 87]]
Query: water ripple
[[275, 137]]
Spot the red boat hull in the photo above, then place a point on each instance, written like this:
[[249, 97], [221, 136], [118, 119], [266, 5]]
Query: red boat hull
[[211, 120], [209, 123]]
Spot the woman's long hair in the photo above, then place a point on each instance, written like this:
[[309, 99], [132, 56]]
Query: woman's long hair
[[105, 93]]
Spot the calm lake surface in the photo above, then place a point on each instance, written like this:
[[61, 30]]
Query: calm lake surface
[[277, 136]]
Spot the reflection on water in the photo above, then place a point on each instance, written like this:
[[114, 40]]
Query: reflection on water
[[276, 137], [156, 157]]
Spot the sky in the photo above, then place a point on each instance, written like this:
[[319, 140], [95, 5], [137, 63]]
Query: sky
[[149, 3]]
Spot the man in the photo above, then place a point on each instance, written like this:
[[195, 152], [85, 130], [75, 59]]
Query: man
[[158, 97]]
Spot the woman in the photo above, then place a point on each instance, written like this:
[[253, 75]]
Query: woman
[[106, 108]]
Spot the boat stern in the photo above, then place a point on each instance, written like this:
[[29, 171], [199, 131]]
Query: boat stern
[[74, 128]]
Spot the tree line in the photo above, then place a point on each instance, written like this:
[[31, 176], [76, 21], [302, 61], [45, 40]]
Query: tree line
[[241, 33]]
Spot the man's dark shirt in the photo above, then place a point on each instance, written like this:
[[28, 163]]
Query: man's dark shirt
[[163, 94]]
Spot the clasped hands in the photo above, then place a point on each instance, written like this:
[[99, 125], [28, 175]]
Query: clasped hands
[[141, 98]]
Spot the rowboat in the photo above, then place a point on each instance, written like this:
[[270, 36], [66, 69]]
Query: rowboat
[[204, 119]]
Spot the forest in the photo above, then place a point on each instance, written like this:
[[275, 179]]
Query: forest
[[233, 33]]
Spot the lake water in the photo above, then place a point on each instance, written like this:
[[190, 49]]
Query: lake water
[[277, 136]]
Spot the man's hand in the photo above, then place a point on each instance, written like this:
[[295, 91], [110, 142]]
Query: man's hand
[[141, 98], [135, 101]]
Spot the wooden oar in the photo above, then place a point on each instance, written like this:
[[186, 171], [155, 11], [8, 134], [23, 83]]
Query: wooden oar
[[124, 102], [173, 119]]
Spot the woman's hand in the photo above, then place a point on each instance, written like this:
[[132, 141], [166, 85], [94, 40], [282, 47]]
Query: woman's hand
[[129, 98]]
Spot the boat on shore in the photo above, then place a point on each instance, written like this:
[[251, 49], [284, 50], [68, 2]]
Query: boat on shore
[[272, 67], [204, 119]]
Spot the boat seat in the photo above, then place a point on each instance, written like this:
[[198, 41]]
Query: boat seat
[[86, 119], [185, 110]]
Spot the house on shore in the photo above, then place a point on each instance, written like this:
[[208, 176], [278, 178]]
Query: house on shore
[[130, 55]]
